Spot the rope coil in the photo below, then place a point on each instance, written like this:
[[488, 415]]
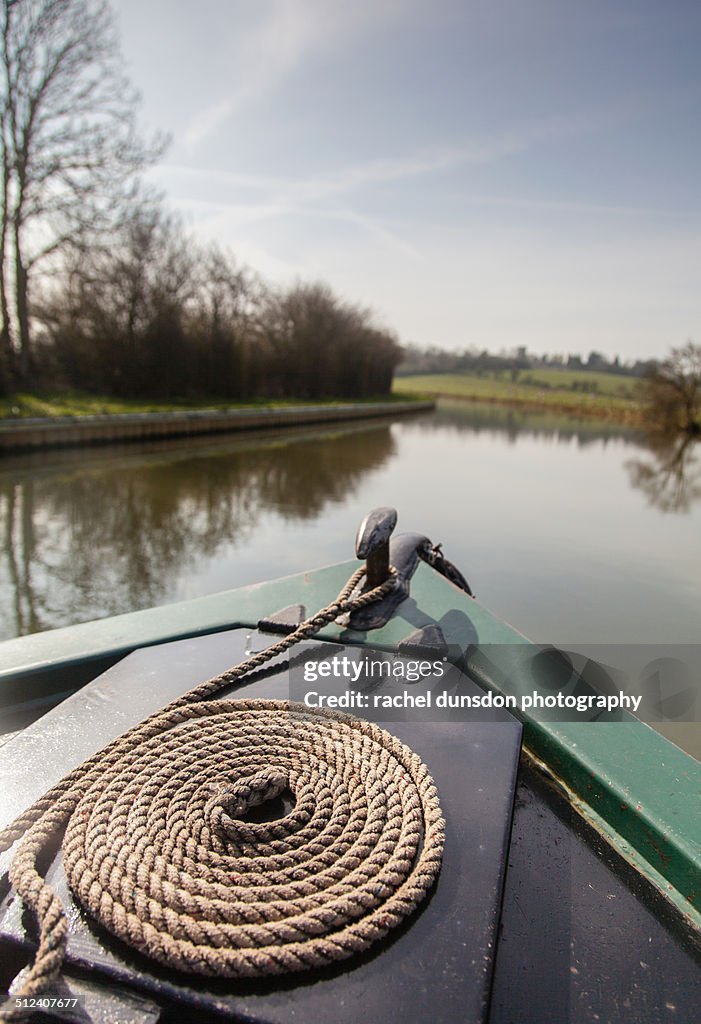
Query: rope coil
[[165, 864], [160, 848]]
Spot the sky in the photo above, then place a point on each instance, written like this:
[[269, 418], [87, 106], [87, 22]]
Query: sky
[[479, 173]]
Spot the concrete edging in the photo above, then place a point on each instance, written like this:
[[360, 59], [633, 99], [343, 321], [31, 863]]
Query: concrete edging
[[63, 431]]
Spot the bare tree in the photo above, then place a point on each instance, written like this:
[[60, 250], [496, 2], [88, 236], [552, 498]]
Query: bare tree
[[672, 392], [224, 325], [326, 347], [114, 313], [68, 146]]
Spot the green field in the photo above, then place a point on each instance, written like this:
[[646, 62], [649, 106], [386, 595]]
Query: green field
[[600, 395]]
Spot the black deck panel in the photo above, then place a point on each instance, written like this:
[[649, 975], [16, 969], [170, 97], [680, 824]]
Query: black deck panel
[[437, 967], [583, 937]]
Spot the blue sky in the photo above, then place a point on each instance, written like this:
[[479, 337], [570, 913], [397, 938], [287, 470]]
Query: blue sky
[[485, 174]]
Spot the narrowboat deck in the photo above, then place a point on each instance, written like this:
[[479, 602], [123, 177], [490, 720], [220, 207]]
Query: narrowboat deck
[[572, 862]]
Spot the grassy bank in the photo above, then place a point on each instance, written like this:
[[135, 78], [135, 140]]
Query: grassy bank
[[602, 396], [29, 405]]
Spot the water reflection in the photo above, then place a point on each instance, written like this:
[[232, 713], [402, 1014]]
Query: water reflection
[[671, 478], [88, 540], [538, 508], [464, 417]]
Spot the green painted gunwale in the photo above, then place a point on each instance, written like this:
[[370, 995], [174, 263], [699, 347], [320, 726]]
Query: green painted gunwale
[[631, 783]]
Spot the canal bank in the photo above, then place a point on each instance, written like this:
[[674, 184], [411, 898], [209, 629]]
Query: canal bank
[[603, 399], [65, 431]]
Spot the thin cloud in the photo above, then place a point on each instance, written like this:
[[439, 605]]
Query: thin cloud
[[373, 172], [565, 206], [257, 198], [215, 215], [511, 142], [292, 32]]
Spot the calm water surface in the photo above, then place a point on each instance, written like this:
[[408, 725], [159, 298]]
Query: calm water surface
[[573, 532]]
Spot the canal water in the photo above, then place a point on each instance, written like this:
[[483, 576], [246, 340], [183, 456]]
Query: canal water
[[575, 532], [572, 531]]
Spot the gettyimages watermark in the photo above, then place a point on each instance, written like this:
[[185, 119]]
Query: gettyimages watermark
[[592, 683]]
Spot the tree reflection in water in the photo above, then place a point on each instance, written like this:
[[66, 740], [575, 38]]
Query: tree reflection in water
[[671, 479], [465, 417], [98, 532], [83, 541]]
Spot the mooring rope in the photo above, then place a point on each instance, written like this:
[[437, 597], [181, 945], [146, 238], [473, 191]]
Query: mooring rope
[[157, 848]]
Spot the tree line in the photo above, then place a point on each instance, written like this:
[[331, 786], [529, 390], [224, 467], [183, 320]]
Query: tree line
[[157, 315], [417, 360], [101, 289]]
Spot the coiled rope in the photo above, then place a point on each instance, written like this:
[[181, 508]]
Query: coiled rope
[[157, 847]]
